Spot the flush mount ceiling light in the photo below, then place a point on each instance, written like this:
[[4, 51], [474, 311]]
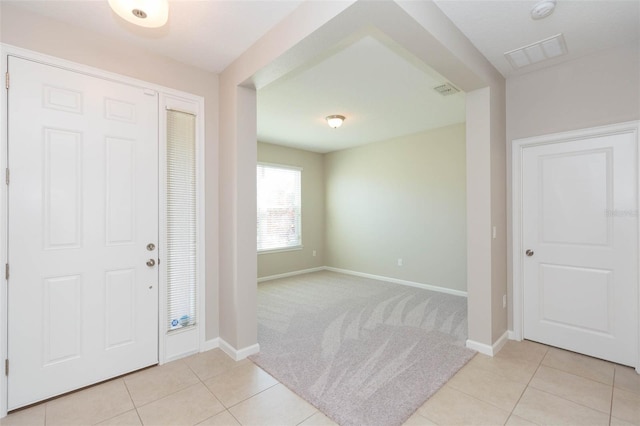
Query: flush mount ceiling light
[[542, 9], [335, 121], [145, 13]]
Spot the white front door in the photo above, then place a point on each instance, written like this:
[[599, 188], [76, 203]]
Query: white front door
[[580, 238], [83, 206]]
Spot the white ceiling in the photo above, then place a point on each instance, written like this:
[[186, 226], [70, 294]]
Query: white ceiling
[[381, 90], [206, 34], [496, 27], [381, 94]]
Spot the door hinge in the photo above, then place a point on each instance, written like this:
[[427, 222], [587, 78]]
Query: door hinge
[[6, 367], [6, 271], [7, 176], [6, 80]]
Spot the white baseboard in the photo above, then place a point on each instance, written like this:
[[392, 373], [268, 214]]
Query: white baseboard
[[399, 281], [512, 335], [210, 344], [238, 354], [490, 350], [291, 274]]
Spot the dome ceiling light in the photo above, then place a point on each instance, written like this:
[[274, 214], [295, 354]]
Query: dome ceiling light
[[144, 13], [335, 121]]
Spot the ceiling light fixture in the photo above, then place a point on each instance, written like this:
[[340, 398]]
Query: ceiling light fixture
[[542, 9], [335, 121], [145, 13]]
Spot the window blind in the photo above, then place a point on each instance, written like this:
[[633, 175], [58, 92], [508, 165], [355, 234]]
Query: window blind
[[181, 220], [279, 207]]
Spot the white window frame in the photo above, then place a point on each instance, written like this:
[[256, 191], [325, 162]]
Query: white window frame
[[179, 343], [289, 248], [169, 349]]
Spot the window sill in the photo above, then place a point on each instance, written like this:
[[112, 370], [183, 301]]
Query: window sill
[[280, 250]]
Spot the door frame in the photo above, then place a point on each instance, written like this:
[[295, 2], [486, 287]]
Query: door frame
[[517, 152], [179, 343]]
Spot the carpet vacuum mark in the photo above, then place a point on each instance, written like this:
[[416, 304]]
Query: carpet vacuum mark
[[363, 352]]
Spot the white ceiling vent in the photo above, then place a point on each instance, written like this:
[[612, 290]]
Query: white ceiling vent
[[542, 50], [446, 89]]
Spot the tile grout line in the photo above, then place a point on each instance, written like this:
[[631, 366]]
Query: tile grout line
[[307, 418], [255, 394], [527, 386], [202, 381], [580, 376], [239, 402], [570, 401], [613, 385], [216, 398], [134, 404], [497, 375], [471, 396], [574, 402], [164, 396], [234, 417]]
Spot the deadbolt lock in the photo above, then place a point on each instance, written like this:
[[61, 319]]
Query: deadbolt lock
[[151, 247]]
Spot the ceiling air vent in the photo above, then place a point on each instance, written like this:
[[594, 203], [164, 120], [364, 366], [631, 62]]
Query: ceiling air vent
[[446, 89], [537, 52]]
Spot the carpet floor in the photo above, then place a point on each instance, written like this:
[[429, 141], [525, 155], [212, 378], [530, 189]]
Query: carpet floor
[[364, 352]]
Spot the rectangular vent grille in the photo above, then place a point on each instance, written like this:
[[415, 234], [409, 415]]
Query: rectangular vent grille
[[446, 89], [542, 50]]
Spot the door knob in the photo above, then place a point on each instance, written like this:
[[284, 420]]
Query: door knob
[[151, 262], [529, 252]]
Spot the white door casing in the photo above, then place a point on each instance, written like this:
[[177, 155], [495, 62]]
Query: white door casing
[[83, 205], [576, 208]]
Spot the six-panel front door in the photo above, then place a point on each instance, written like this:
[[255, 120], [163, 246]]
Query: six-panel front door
[[580, 234], [83, 206]]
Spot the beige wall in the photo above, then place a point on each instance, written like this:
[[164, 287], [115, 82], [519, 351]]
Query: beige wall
[[401, 198], [599, 89], [313, 208], [29, 31], [486, 172], [595, 90]]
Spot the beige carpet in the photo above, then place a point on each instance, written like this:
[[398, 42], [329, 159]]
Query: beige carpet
[[363, 352]]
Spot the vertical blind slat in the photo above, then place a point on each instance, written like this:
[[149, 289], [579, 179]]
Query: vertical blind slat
[[181, 220]]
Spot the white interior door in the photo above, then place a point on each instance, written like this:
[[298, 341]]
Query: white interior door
[[83, 205], [580, 231]]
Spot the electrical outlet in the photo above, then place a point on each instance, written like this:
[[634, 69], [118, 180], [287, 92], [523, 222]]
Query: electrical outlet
[[504, 300], [399, 261], [313, 253]]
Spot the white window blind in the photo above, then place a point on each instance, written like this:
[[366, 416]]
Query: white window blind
[[181, 220], [279, 207]]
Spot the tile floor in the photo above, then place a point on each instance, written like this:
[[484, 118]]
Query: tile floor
[[525, 384]]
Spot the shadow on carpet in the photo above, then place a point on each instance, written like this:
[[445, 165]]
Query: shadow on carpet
[[363, 352]]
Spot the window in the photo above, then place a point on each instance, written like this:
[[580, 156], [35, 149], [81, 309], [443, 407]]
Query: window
[[279, 207], [181, 220]]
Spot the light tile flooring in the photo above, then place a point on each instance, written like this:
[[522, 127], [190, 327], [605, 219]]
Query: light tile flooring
[[525, 384]]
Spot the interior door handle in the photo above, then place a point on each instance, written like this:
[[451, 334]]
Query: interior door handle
[[529, 252], [151, 263]]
